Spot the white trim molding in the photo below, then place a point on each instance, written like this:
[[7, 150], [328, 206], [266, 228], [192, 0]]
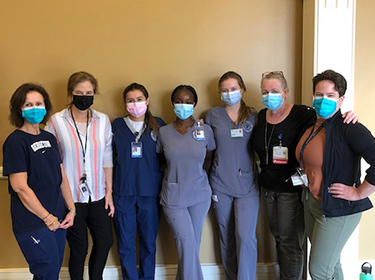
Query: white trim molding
[[329, 43], [265, 271]]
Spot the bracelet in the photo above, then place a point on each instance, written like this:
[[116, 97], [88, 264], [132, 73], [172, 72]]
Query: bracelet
[[51, 222], [73, 211], [46, 216]]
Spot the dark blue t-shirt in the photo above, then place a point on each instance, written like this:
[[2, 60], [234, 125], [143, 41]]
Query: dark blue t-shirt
[[39, 157]]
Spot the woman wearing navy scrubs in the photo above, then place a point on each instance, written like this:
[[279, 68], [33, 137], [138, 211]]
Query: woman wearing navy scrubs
[[137, 180], [37, 184], [235, 192], [186, 193]]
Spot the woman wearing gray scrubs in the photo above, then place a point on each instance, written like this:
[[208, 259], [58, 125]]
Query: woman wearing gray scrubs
[[185, 196], [235, 193]]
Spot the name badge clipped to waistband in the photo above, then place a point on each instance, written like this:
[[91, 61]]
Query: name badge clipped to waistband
[[136, 149], [300, 178]]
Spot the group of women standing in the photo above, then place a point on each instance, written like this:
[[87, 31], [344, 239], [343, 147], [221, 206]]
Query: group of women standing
[[204, 160]]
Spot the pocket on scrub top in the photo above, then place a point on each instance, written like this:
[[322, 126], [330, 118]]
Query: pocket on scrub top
[[246, 180], [173, 194]]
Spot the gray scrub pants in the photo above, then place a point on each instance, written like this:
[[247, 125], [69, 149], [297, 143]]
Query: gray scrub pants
[[237, 218], [286, 221], [328, 237], [187, 225]]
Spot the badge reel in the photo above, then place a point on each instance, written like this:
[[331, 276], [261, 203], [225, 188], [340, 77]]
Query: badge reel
[[199, 132], [299, 178], [83, 186], [280, 153], [236, 131]]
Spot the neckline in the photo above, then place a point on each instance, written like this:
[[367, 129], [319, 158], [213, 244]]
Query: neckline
[[187, 132], [227, 115], [287, 116], [27, 133]]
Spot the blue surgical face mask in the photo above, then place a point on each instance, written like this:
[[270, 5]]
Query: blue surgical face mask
[[272, 101], [183, 111], [324, 106], [34, 114], [231, 97]]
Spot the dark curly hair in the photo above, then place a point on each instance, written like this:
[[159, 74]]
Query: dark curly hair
[[336, 78]]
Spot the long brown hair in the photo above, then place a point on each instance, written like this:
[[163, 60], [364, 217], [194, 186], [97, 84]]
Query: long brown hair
[[150, 121], [245, 111]]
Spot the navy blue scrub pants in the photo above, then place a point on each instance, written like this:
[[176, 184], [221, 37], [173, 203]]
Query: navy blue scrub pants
[[44, 251], [94, 216], [137, 213]]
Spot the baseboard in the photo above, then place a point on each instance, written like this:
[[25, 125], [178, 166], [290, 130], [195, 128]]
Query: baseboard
[[265, 271]]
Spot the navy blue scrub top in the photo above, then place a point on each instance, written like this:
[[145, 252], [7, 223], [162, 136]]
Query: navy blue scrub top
[[135, 176], [39, 156]]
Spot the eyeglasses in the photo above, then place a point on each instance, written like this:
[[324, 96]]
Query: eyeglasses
[[277, 73]]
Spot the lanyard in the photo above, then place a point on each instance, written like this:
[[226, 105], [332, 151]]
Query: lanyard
[[267, 142], [79, 137], [137, 134], [308, 139]]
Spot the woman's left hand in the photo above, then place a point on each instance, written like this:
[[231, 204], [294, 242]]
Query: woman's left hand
[[109, 204], [342, 191], [68, 221]]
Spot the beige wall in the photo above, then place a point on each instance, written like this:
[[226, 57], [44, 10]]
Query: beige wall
[[157, 43], [364, 104]]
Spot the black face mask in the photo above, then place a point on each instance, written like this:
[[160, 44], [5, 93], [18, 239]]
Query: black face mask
[[83, 102]]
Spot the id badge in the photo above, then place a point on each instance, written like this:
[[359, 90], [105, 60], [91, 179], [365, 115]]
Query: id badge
[[84, 188], [236, 132], [280, 155], [199, 133], [298, 180], [136, 149]]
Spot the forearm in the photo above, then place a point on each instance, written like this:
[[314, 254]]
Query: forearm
[[32, 203], [67, 194], [108, 175], [365, 189]]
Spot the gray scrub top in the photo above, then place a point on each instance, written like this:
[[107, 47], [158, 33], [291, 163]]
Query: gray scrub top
[[232, 168], [185, 181]]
